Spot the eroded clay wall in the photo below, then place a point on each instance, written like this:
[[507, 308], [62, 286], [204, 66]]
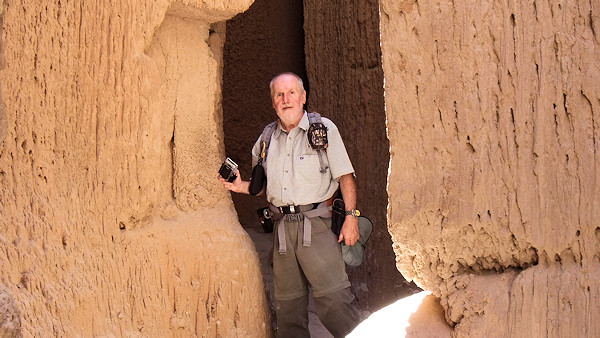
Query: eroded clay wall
[[492, 111], [112, 221]]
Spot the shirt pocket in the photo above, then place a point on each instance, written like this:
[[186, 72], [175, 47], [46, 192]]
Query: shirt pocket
[[308, 169]]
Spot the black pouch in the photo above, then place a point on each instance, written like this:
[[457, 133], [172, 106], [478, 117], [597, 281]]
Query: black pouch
[[338, 215], [258, 179], [264, 215]]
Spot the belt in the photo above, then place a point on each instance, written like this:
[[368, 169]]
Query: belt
[[296, 209], [300, 213]]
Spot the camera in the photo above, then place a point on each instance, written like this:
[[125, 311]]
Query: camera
[[265, 217], [317, 136], [228, 170]]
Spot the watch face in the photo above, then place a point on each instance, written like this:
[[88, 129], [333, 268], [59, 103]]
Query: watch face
[[353, 212]]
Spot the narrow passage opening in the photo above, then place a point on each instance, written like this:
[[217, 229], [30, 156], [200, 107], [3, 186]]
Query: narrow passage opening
[[336, 52]]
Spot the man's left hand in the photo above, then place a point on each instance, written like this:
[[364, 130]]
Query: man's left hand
[[349, 233]]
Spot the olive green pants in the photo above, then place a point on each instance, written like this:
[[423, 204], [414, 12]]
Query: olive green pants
[[319, 266]]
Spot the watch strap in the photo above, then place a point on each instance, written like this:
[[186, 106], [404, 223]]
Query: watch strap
[[353, 212]]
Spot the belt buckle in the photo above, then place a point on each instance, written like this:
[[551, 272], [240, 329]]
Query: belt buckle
[[292, 209]]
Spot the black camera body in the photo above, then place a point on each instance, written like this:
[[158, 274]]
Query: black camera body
[[265, 217], [317, 136], [228, 170]]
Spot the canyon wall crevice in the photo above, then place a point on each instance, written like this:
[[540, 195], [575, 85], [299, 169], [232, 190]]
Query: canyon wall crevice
[[343, 63], [262, 42]]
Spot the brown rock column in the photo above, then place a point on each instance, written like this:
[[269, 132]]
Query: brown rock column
[[343, 62]]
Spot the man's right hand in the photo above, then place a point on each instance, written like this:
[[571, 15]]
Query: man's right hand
[[238, 185]]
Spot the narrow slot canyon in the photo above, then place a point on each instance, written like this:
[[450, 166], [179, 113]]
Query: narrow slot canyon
[[472, 128], [343, 77]]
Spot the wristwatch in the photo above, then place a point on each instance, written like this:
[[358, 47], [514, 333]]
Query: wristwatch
[[354, 212]]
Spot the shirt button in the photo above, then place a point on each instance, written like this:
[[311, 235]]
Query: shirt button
[[284, 188]]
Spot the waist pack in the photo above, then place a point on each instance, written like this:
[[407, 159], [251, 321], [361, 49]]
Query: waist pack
[[338, 215]]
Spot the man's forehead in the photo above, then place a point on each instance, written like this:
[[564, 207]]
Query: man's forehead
[[285, 82]]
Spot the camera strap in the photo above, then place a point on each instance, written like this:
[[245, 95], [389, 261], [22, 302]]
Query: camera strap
[[258, 180]]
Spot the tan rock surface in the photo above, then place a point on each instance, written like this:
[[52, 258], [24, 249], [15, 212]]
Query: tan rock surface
[[492, 111], [112, 221]]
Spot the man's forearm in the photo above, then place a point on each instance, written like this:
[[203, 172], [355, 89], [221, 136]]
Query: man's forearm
[[349, 232], [348, 187]]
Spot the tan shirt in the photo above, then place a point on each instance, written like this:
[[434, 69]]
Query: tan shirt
[[292, 166]]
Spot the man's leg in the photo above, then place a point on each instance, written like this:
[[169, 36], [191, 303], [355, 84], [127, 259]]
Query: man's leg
[[292, 317], [291, 291], [325, 270], [336, 313]]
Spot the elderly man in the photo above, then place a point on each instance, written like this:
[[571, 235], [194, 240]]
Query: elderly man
[[306, 252]]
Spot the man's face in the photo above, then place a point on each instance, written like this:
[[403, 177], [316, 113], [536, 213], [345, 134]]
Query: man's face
[[288, 99]]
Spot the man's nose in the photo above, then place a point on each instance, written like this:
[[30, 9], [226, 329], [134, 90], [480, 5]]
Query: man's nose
[[285, 98]]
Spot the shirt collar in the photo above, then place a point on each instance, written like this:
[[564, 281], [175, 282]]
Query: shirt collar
[[304, 124]]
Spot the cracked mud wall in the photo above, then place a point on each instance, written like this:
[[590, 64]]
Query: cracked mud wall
[[112, 221], [492, 111]]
